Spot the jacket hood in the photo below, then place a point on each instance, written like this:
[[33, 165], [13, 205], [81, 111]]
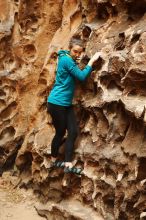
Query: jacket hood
[[63, 52]]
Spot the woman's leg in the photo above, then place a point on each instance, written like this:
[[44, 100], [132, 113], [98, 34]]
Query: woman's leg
[[72, 129], [59, 119]]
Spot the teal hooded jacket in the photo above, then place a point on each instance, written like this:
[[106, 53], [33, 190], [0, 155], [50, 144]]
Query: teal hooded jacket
[[67, 70]]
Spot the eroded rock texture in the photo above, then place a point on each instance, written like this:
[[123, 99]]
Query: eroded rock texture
[[110, 105]]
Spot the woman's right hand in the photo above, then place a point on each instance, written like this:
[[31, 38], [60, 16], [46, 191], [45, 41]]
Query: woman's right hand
[[94, 58]]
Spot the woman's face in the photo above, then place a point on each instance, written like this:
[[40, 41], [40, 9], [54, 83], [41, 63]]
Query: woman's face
[[76, 51]]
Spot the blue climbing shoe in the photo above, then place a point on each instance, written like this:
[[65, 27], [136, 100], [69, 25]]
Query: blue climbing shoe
[[73, 169]]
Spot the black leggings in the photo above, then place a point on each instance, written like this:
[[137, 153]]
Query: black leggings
[[63, 118]]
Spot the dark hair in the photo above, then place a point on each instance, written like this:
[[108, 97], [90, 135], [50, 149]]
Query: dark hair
[[75, 41]]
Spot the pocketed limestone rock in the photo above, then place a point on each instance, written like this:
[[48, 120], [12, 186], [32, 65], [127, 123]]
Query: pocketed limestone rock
[[110, 105]]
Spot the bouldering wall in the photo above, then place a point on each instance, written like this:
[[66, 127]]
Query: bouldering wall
[[110, 105]]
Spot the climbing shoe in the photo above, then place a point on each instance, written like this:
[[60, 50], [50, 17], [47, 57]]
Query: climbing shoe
[[73, 169]]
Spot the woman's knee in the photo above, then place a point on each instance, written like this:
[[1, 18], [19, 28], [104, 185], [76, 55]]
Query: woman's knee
[[73, 133], [57, 140], [60, 134]]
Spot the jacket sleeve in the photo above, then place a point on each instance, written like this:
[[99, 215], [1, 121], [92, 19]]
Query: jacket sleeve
[[74, 70]]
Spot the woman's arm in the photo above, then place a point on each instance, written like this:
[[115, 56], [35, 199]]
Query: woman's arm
[[75, 71]]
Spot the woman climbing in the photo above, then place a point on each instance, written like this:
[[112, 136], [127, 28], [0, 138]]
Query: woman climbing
[[60, 102]]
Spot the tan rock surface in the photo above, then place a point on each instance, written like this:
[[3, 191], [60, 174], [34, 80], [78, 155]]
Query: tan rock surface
[[110, 105], [16, 204]]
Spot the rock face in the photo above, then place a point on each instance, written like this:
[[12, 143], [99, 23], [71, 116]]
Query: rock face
[[110, 105]]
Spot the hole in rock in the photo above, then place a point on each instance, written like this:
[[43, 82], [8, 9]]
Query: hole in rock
[[42, 93], [122, 72], [2, 103], [83, 16], [53, 55], [11, 61], [84, 116], [85, 60], [29, 51], [10, 89], [112, 84], [25, 161], [105, 79], [7, 135], [33, 17], [10, 161], [109, 200], [136, 9], [2, 93], [43, 106], [92, 163], [105, 10], [5, 114], [120, 44], [135, 38], [123, 216], [130, 208], [98, 64], [86, 32], [42, 81], [133, 92], [142, 169], [95, 88], [2, 151], [37, 158]]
